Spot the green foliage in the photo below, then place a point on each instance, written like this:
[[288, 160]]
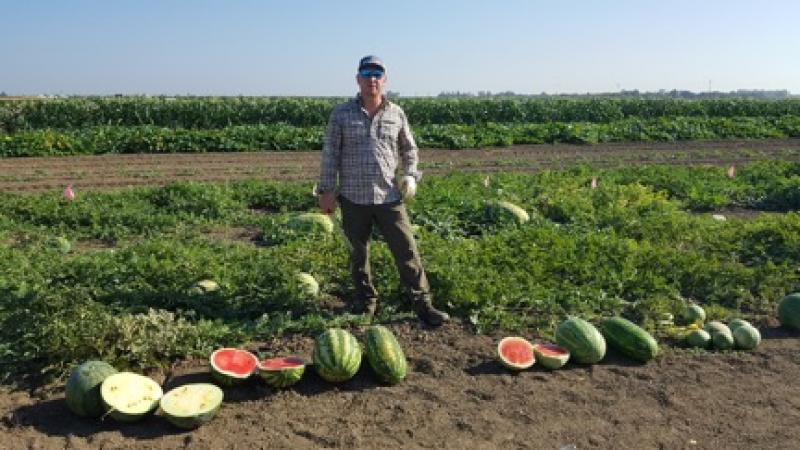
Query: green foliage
[[640, 245]]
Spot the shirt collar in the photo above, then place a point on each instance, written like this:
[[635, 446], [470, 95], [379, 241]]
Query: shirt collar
[[383, 105]]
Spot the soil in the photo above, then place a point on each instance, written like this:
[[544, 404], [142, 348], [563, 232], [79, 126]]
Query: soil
[[457, 396], [110, 172]]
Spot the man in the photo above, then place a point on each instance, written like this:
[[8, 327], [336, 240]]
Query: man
[[366, 141]]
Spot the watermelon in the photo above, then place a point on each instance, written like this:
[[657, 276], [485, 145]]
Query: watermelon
[[746, 337], [550, 356], [716, 327], [583, 341], [515, 353], [736, 323], [311, 223], [61, 244], [308, 284], [789, 311], [230, 366], [191, 405], [337, 355], [501, 207], [698, 339], [205, 287], [629, 338], [695, 314], [82, 392], [129, 397], [385, 355], [281, 372]]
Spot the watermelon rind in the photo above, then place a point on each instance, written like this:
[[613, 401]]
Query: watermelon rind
[[129, 397], [191, 405], [283, 377], [746, 337], [583, 340], [545, 356], [337, 355], [82, 391], [527, 348], [227, 376], [629, 339], [789, 311], [384, 354], [698, 339]]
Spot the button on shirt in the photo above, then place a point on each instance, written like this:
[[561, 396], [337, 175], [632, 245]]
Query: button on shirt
[[365, 152]]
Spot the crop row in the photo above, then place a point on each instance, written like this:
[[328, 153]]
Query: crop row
[[637, 245], [150, 139], [222, 112]]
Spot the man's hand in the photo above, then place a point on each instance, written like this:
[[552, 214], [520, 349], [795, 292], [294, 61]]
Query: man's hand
[[408, 187], [327, 202]]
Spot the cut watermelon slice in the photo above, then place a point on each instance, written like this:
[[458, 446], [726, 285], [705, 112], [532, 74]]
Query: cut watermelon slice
[[230, 366], [551, 356], [281, 372], [516, 353]]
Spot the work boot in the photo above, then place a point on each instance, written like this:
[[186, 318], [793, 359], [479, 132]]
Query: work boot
[[428, 313], [365, 305]]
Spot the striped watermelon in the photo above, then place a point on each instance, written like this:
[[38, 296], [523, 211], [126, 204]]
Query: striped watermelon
[[281, 372], [585, 344], [789, 311], [385, 355], [550, 356], [630, 339], [82, 392], [337, 355]]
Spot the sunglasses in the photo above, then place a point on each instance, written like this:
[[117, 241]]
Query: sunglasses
[[367, 73]]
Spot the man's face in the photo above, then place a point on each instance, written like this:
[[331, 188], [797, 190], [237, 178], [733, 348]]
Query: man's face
[[371, 80]]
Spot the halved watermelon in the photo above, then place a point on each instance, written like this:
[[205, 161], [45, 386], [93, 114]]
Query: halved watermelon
[[516, 353], [191, 405], [129, 397], [281, 372], [231, 365], [550, 356]]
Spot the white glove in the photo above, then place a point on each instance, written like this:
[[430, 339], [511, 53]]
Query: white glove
[[408, 187]]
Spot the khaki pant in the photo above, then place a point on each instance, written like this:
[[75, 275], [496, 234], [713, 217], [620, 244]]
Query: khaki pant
[[392, 220]]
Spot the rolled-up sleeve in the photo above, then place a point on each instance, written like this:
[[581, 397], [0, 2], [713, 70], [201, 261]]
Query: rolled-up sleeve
[[331, 154], [407, 150]]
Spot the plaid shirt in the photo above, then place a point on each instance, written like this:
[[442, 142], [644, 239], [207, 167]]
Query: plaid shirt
[[365, 152]]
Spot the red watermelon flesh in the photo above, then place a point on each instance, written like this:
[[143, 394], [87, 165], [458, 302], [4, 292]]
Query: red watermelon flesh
[[231, 365], [516, 353], [281, 363]]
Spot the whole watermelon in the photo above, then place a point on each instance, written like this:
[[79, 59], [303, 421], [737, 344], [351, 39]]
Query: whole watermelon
[[629, 338], [337, 355], [746, 337], [789, 311], [83, 388], [385, 355], [584, 342]]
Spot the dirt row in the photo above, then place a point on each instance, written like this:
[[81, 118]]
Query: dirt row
[[110, 172], [457, 396]]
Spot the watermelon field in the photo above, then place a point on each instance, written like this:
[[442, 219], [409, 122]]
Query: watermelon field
[[182, 238]]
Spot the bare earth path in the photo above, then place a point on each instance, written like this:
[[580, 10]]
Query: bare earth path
[[106, 172], [456, 396]]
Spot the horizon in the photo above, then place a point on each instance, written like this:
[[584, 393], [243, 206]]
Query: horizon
[[310, 49]]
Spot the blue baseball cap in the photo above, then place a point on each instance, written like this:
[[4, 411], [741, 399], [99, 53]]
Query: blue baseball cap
[[371, 60]]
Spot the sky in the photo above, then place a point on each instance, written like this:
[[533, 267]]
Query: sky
[[311, 48]]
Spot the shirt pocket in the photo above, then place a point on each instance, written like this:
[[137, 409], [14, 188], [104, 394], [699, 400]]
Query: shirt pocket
[[389, 130]]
